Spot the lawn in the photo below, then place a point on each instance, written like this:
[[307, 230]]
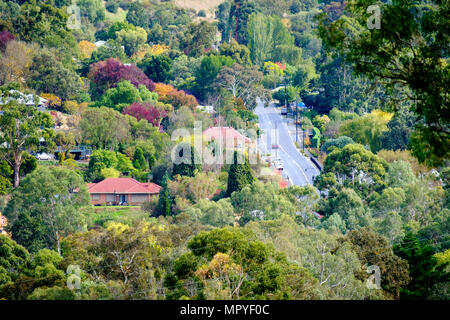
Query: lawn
[[103, 215]]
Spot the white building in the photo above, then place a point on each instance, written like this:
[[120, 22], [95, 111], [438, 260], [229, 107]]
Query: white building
[[27, 99]]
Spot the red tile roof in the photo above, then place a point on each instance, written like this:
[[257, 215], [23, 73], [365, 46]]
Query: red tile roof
[[225, 133], [123, 185]]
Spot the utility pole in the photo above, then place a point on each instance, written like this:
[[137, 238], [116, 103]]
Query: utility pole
[[303, 130], [285, 97], [296, 120], [276, 139]]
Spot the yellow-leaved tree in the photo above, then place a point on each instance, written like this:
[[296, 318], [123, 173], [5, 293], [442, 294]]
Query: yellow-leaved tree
[[86, 48]]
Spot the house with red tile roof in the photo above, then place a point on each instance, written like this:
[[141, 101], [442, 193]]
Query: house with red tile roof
[[122, 191], [228, 136]]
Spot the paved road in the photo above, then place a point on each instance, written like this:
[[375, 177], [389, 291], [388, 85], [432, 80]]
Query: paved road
[[277, 130]]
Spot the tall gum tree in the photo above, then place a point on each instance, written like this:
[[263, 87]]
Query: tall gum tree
[[21, 127]]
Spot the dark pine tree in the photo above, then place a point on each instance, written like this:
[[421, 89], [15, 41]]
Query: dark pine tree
[[139, 161], [164, 206], [424, 270], [239, 175]]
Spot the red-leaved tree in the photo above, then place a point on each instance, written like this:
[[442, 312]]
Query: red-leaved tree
[[107, 73], [145, 111], [5, 37]]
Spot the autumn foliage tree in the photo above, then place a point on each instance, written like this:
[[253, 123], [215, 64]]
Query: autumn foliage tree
[[177, 98], [86, 48], [145, 111], [106, 74]]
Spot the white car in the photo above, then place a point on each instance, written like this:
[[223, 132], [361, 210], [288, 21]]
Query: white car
[[278, 165], [44, 156]]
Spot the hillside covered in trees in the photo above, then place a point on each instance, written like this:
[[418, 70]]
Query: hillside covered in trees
[[112, 83]]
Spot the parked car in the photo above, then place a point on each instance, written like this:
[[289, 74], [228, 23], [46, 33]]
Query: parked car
[[44, 156], [278, 165]]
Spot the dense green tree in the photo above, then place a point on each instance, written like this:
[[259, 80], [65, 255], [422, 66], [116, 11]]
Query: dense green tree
[[373, 249], [48, 75], [164, 206], [408, 54], [239, 53], [46, 25], [197, 38], [217, 214], [391, 199], [340, 142], [232, 254], [124, 164], [201, 186], [391, 227], [344, 90], [292, 94], [332, 262], [111, 49], [148, 151], [223, 15], [124, 94], [157, 67], [138, 15], [132, 40], [267, 37], [46, 207], [356, 168], [303, 27], [139, 161], [400, 128], [99, 160], [301, 5], [106, 159], [14, 260], [259, 201], [288, 53], [29, 164], [350, 208], [115, 27], [104, 127], [183, 72], [111, 6], [93, 10], [424, 269], [187, 160], [119, 256], [367, 130], [400, 174], [304, 74], [240, 13], [239, 174], [209, 68]]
